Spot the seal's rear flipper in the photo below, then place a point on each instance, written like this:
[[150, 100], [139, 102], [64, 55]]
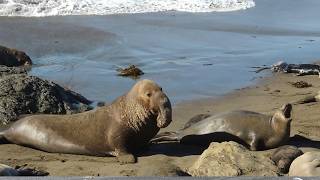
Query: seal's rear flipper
[[286, 110], [3, 140], [165, 136]]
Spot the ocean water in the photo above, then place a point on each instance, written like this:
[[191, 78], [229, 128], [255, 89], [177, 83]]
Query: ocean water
[[191, 55], [103, 7]]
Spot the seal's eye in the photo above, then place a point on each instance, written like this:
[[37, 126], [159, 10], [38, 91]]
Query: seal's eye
[[148, 94], [161, 89]]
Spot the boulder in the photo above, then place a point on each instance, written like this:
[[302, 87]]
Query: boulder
[[22, 94], [13, 58], [232, 159]]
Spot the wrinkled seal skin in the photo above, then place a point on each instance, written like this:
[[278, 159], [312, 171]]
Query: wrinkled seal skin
[[254, 130], [306, 165], [119, 129]]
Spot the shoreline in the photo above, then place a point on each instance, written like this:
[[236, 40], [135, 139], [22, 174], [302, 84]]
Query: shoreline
[[191, 55], [160, 160]]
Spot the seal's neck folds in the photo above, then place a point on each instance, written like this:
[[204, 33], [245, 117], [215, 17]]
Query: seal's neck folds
[[133, 113]]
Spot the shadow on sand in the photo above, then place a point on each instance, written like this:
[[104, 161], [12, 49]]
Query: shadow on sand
[[303, 142], [190, 144], [196, 144]]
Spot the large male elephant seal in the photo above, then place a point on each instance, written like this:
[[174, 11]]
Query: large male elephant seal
[[254, 130], [119, 129], [306, 165]]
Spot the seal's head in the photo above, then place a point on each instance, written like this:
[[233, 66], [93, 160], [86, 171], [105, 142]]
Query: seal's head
[[281, 119], [154, 100], [284, 114]]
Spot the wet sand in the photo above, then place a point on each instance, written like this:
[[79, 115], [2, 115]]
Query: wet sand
[[267, 95]]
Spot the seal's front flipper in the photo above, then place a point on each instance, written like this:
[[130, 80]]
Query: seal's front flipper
[[126, 158], [165, 136]]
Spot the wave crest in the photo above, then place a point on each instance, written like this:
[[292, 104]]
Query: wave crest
[[103, 7]]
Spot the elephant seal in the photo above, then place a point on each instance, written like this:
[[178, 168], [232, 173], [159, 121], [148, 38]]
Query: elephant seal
[[119, 129], [283, 157], [254, 130], [306, 165]]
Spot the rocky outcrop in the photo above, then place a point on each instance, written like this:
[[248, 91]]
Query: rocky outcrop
[[22, 94], [13, 58], [232, 159], [5, 70]]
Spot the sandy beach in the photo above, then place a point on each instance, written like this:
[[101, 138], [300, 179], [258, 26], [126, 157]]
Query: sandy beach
[[163, 159]]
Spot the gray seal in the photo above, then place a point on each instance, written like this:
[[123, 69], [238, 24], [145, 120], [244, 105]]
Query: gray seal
[[254, 130]]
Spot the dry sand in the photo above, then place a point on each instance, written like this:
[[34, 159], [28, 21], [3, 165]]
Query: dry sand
[[267, 95]]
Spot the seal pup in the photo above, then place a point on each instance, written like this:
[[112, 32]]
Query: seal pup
[[306, 165], [254, 130], [283, 157], [119, 129]]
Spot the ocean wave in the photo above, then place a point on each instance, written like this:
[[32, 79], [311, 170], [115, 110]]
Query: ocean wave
[[104, 7]]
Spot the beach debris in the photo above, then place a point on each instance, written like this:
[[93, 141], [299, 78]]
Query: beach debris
[[132, 71], [300, 84], [283, 157], [20, 171], [232, 159], [13, 57], [299, 69]]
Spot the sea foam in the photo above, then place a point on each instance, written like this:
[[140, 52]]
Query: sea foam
[[103, 7]]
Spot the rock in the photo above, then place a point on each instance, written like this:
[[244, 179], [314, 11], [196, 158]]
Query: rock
[[20, 171], [131, 71], [283, 157], [13, 58], [4, 70], [232, 159], [22, 94], [8, 171]]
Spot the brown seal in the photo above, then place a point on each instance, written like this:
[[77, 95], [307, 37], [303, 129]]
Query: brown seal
[[306, 165], [283, 157], [119, 129], [254, 130]]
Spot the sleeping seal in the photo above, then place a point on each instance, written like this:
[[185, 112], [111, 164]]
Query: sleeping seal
[[254, 130]]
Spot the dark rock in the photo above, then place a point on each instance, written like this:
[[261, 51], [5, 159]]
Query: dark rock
[[22, 94], [21, 171], [13, 58]]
